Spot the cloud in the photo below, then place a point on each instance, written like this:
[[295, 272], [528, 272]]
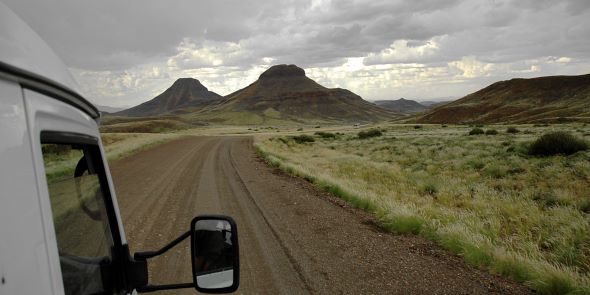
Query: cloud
[[404, 51], [469, 67], [123, 53]]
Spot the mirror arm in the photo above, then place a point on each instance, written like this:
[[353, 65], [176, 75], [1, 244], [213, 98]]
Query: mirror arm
[[149, 254], [153, 288]]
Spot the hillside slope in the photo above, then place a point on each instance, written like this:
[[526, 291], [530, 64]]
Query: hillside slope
[[543, 99], [284, 93], [402, 105], [185, 95]]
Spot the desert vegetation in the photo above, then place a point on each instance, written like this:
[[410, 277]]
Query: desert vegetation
[[369, 133], [507, 203]]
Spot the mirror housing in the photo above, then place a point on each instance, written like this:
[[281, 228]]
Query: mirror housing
[[215, 254]]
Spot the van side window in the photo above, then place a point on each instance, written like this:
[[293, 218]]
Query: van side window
[[84, 238]]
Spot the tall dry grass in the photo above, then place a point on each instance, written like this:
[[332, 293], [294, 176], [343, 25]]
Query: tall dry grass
[[482, 197]]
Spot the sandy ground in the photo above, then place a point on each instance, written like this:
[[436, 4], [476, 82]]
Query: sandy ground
[[294, 238]]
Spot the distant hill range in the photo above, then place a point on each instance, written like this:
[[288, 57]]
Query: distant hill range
[[543, 99], [402, 105], [107, 109], [285, 93], [185, 94], [282, 94]]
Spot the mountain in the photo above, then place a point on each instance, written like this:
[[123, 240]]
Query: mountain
[[402, 105], [543, 99], [435, 103], [283, 93], [184, 96], [107, 109]]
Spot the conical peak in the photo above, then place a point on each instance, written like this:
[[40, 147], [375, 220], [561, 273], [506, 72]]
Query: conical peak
[[283, 71], [188, 82]]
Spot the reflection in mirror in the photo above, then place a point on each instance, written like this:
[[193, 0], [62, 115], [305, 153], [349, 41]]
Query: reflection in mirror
[[214, 254]]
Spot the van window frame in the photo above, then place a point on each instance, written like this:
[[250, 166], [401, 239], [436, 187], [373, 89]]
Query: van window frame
[[60, 137]]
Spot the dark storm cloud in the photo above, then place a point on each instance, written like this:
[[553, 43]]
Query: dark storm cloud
[[113, 34], [118, 34]]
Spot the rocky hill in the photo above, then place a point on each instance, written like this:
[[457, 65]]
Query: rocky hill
[[285, 93], [402, 105], [543, 99], [184, 96]]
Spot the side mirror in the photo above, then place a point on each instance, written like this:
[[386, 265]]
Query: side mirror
[[215, 254], [215, 258]]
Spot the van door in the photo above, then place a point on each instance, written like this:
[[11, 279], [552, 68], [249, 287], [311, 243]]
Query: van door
[[83, 228]]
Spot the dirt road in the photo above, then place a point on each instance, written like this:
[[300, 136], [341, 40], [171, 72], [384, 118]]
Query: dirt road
[[294, 239]]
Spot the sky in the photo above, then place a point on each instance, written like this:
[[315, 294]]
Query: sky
[[123, 53]]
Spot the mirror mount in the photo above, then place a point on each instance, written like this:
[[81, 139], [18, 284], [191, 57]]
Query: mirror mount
[[151, 254], [143, 256]]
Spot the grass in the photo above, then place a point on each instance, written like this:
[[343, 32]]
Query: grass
[[483, 198]]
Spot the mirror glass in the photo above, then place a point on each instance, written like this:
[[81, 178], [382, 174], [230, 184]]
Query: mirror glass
[[213, 254]]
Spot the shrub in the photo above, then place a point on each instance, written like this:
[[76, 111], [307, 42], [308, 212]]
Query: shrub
[[495, 171], [556, 143], [326, 135], [299, 129], [303, 138], [444, 126], [370, 133], [491, 132], [430, 188], [476, 131], [417, 126], [512, 130], [476, 164]]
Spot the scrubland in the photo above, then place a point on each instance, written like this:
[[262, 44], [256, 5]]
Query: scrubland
[[482, 196]]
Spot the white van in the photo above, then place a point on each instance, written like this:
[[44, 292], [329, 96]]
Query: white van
[[60, 227]]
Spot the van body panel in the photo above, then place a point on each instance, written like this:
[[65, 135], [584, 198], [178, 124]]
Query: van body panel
[[24, 260]]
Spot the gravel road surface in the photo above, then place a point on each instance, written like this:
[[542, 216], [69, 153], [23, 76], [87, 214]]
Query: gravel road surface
[[294, 238]]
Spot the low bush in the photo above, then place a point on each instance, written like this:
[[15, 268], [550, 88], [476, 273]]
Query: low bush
[[430, 188], [557, 143], [476, 131], [417, 126], [491, 132], [369, 133], [512, 130], [326, 135], [303, 138]]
